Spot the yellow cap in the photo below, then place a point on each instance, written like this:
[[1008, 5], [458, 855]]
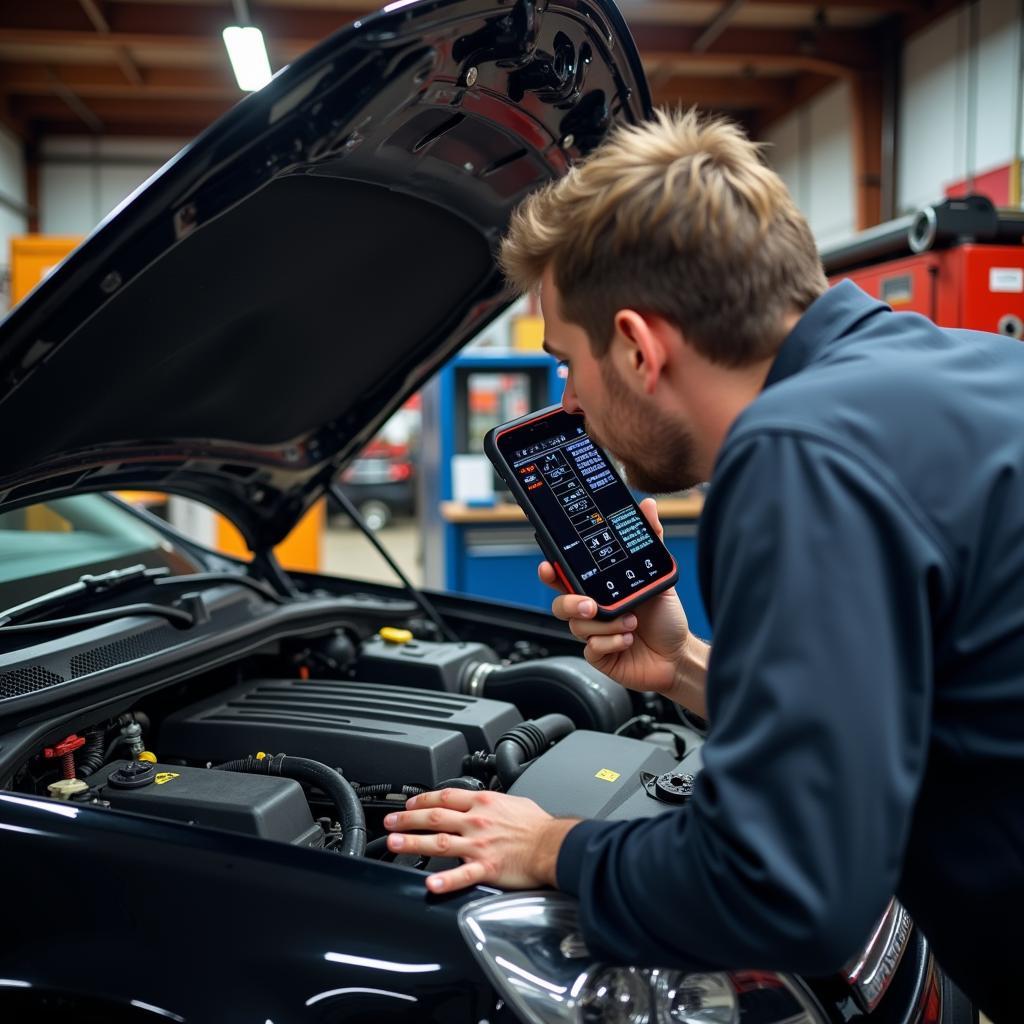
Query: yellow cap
[[148, 755], [393, 635], [260, 755]]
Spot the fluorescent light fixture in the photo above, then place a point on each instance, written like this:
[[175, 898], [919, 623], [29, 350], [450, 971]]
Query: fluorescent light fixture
[[248, 55]]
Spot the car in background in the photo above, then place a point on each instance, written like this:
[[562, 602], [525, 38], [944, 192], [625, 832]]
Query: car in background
[[381, 482]]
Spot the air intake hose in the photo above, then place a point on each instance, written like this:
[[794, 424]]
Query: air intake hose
[[91, 757], [527, 741], [338, 789], [567, 685]]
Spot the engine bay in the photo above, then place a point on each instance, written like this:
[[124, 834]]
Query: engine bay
[[312, 741]]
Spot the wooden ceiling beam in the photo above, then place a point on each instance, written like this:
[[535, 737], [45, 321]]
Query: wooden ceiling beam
[[95, 14], [70, 99], [96, 81], [718, 24], [12, 120], [882, 6], [926, 14], [286, 49], [804, 88], [143, 128], [127, 21], [123, 57], [837, 52], [111, 112], [731, 93], [292, 30], [129, 68]]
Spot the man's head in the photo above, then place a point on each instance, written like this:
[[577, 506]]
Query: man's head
[[673, 235]]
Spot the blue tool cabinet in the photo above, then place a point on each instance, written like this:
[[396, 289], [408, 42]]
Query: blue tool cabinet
[[491, 551]]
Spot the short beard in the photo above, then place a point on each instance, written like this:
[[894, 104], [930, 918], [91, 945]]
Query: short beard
[[657, 454]]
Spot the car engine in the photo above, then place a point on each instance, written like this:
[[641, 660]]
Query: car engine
[[316, 756]]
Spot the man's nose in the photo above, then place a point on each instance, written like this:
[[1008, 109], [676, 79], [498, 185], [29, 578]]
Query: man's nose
[[570, 403]]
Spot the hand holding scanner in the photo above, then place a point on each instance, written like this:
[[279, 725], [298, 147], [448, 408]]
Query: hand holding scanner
[[587, 523]]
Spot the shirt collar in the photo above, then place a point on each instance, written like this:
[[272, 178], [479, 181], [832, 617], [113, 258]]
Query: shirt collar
[[826, 320]]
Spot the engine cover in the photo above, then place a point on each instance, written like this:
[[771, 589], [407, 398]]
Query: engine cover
[[371, 731], [255, 805], [594, 775]]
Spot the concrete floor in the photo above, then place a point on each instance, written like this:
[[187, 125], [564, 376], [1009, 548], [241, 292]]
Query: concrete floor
[[346, 552]]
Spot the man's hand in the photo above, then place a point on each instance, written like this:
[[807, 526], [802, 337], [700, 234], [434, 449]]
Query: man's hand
[[505, 840], [649, 649]]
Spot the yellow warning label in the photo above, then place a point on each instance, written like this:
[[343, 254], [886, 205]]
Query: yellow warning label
[[607, 774], [162, 777]]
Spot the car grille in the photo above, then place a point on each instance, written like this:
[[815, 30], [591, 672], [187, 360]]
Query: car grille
[[27, 680], [127, 649]]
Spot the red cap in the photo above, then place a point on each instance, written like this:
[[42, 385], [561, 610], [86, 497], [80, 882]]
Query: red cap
[[65, 746]]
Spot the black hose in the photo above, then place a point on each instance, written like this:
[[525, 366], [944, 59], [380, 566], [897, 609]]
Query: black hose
[[461, 782], [337, 788], [524, 743], [91, 757], [382, 790], [570, 686], [119, 738], [377, 847]]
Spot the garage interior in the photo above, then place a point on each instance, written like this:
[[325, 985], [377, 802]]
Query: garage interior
[[880, 116], [869, 109]]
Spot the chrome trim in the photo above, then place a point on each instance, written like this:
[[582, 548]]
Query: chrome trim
[[474, 686], [530, 947], [870, 975]]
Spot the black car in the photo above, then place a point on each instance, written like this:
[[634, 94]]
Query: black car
[[196, 753], [380, 488]]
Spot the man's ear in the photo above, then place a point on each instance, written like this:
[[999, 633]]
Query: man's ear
[[645, 346]]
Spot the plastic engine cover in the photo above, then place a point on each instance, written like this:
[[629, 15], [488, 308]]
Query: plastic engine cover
[[372, 732], [256, 805], [594, 775]]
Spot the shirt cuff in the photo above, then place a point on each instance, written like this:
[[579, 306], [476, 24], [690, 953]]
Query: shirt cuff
[[572, 855]]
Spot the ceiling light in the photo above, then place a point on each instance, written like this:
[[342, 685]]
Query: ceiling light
[[248, 55]]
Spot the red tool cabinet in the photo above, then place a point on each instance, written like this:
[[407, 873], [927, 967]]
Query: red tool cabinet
[[976, 283]]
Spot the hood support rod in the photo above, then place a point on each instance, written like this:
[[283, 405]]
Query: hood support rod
[[269, 568], [418, 596]]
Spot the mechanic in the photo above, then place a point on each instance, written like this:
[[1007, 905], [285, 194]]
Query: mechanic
[[861, 556]]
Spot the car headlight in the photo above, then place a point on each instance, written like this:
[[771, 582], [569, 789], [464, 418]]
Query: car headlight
[[530, 946]]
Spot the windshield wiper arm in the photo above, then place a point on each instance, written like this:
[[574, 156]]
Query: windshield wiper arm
[[88, 584], [175, 615], [102, 583]]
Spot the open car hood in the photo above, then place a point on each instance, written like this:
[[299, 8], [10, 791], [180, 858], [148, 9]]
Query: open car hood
[[245, 322]]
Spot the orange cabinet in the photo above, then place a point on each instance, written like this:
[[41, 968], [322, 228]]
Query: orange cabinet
[[33, 257]]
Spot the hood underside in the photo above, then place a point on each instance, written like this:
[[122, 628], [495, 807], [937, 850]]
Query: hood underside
[[241, 326]]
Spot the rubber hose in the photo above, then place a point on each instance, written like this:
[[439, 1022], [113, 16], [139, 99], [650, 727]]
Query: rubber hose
[[112, 746], [380, 790], [461, 782], [90, 759], [524, 743], [568, 685], [337, 788]]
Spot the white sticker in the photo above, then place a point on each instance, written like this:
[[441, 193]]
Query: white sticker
[[1006, 279]]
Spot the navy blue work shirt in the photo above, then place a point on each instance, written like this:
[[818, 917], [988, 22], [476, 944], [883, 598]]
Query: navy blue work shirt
[[861, 556]]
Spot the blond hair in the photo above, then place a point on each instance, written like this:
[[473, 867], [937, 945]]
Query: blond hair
[[679, 217]]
